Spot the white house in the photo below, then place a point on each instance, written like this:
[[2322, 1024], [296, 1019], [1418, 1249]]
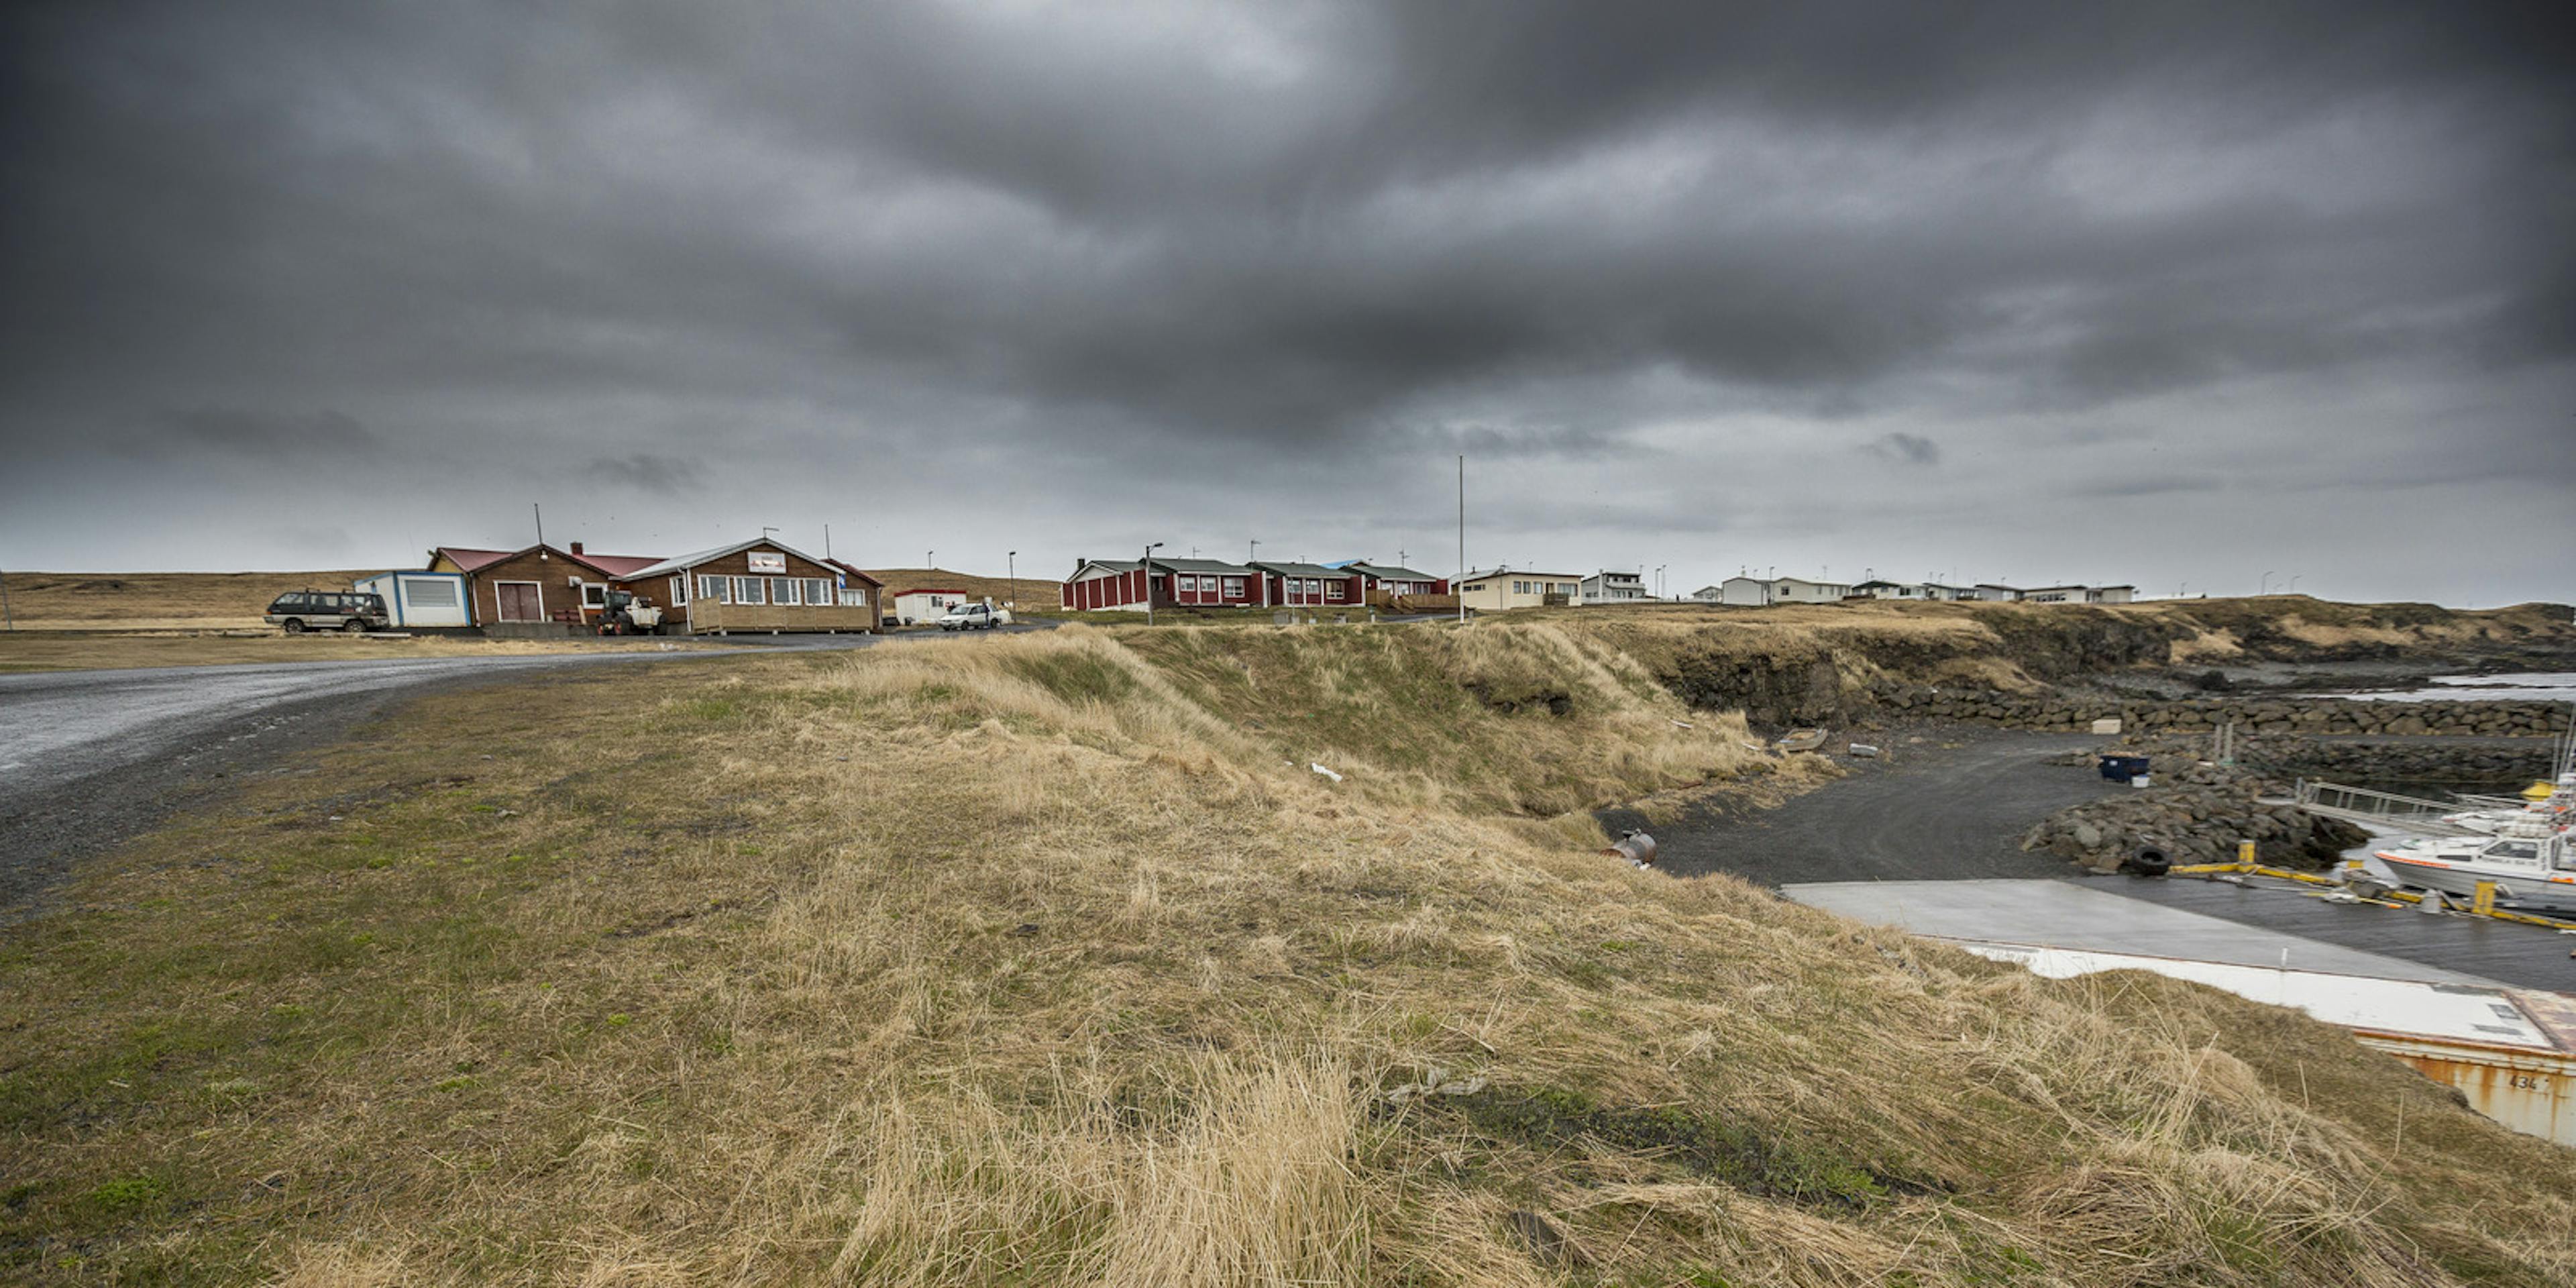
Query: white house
[[1757, 591], [1609, 587], [1497, 589], [1710, 594]]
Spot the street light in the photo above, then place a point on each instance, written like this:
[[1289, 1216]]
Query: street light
[[2266, 587], [1146, 566], [2294, 583]]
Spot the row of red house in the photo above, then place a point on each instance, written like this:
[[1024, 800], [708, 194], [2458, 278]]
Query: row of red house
[[1214, 583]]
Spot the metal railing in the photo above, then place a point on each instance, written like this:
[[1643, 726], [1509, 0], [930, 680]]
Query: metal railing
[[2381, 811]]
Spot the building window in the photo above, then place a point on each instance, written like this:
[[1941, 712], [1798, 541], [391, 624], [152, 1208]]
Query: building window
[[853, 597], [594, 594], [784, 591], [747, 590], [818, 592], [1234, 588], [715, 588], [680, 591], [1337, 589]]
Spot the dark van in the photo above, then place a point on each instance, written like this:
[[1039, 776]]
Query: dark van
[[324, 610]]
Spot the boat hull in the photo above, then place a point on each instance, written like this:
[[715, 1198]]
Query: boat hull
[[2453, 877]]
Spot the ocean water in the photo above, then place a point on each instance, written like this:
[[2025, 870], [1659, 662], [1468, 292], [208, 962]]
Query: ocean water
[[2544, 686]]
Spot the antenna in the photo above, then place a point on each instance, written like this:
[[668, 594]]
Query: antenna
[[540, 512]]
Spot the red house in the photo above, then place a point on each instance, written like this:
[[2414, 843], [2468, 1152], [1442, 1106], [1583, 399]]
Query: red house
[[1389, 579], [1305, 585], [1173, 583]]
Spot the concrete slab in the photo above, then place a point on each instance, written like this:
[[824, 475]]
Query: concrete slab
[[2065, 914]]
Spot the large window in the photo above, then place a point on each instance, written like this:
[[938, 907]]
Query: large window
[[854, 597], [818, 592], [1337, 589], [747, 590], [594, 594], [1234, 587], [785, 591], [715, 588]]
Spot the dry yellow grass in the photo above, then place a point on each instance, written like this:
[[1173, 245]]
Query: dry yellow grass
[[89, 650], [1047, 960], [1033, 592], [157, 600]]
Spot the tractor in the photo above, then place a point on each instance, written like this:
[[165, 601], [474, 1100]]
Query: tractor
[[624, 612]]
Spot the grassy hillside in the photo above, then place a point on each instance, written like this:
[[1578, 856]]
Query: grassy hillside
[[1047, 959], [154, 600], [1039, 592], [1796, 663]]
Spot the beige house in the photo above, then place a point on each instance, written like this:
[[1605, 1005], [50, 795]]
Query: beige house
[[1504, 588]]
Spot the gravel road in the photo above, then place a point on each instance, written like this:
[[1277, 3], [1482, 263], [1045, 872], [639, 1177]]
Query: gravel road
[[1954, 806]]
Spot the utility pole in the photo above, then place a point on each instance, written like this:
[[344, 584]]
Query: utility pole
[[541, 521], [1251, 551], [927, 563], [827, 541], [1015, 578], [1146, 566], [8, 620], [1461, 585]]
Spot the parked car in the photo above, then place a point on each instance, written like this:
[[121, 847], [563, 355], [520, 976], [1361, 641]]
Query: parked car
[[974, 617], [299, 611]]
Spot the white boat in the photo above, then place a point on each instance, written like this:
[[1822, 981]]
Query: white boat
[[2556, 809], [2527, 860]]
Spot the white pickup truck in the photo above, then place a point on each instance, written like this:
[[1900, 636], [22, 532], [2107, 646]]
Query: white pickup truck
[[974, 617]]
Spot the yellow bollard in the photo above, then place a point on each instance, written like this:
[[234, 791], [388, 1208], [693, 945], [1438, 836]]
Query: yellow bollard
[[2245, 851], [2484, 902]]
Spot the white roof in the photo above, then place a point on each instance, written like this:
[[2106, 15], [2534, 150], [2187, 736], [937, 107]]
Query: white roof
[[685, 562]]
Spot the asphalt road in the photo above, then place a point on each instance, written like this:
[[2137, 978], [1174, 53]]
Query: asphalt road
[[1954, 806]]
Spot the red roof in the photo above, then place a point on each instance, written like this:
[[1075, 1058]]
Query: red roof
[[470, 559], [619, 565], [613, 567]]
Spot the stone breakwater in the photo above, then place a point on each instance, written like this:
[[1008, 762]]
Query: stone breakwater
[[2194, 813], [2075, 713]]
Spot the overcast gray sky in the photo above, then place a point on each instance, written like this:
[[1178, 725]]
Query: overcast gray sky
[[2163, 294]]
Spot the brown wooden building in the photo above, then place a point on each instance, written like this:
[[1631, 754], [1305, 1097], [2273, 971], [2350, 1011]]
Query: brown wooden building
[[537, 584], [758, 586]]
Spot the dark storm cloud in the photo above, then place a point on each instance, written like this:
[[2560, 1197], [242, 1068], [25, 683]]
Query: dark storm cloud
[[272, 435], [774, 256], [645, 472], [1913, 449]]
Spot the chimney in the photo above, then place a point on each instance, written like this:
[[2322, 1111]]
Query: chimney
[[576, 549]]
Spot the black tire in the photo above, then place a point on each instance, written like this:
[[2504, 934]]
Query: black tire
[[354, 626], [294, 626], [2148, 862]]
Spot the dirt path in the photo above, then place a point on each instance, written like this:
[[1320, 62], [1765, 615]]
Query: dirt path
[[1954, 806]]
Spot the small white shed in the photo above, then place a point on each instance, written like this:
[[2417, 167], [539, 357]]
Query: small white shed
[[921, 605], [420, 598]]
